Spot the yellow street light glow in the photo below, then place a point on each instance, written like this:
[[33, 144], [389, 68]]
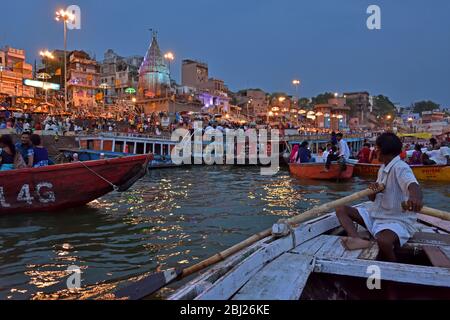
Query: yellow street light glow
[[169, 56], [282, 99], [302, 111], [389, 117], [63, 15], [270, 113], [134, 99], [296, 82], [319, 114], [46, 54], [336, 95]]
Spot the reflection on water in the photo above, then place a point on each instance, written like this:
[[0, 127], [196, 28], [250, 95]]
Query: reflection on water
[[173, 217]]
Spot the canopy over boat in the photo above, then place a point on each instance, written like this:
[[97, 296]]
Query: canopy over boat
[[68, 185], [420, 135]]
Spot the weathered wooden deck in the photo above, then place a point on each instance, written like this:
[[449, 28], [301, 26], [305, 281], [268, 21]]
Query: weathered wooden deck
[[280, 269]]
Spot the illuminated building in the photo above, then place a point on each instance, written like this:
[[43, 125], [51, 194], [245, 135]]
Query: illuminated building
[[13, 71], [83, 80], [119, 74], [154, 75]]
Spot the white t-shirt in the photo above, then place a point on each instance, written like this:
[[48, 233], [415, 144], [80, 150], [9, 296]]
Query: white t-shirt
[[344, 150], [439, 156]]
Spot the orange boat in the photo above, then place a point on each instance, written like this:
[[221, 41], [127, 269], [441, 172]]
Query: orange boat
[[317, 171], [424, 173]]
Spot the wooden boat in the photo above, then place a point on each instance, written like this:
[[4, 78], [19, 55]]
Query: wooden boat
[[158, 161], [424, 173], [312, 264], [67, 185], [317, 171]]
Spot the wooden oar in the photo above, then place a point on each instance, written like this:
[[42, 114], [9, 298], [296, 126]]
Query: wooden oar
[[156, 281]]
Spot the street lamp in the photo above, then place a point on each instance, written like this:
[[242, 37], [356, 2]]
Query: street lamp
[[65, 17], [296, 84], [169, 56]]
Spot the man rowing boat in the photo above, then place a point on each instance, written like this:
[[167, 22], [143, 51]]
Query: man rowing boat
[[391, 218]]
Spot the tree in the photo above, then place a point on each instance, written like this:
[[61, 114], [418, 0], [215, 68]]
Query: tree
[[323, 98], [384, 106], [422, 106]]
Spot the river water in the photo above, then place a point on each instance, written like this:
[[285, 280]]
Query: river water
[[172, 217]]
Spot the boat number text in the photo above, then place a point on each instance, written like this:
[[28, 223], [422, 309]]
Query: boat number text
[[42, 193]]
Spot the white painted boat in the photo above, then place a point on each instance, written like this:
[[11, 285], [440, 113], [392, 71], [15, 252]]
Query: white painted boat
[[311, 264]]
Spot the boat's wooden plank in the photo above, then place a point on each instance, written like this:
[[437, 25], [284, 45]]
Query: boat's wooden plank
[[351, 254], [437, 257], [436, 222], [282, 279], [311, 247], [330, 247], [431, 238], [230, 283], [370, 253], [397, 272], [204, 281]]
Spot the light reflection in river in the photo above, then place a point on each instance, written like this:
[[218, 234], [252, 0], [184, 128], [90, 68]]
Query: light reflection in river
[[173, 217]]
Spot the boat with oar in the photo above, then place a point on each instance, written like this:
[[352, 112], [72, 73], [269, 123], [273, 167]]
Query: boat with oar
[[317, 171], [303, 258], [69, 185], [423, 173]]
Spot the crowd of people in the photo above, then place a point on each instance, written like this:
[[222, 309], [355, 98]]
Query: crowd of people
[[339, 150], [27, 153]]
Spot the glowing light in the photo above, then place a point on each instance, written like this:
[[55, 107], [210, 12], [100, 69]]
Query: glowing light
[[282, 99], [296, 82], [46, 54], [302, 111], [65, 16], [40, 84], [319, 114], [169, 56]]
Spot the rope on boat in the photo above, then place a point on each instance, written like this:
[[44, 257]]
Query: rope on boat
[[115, 188]]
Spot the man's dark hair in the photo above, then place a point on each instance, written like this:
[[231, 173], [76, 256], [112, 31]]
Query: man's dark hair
[[26, 133], [367, 145], [340, 135], [389, 144], [35, 139], [304, 144]]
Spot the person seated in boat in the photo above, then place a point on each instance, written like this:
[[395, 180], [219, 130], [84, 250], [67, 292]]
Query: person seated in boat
[[391, 218], [404, 153], [39, 155], [25, 147], [8, 153], [437, 157], [333, 155], [304, 154], [364, 154], [294, 153], [416, 158]]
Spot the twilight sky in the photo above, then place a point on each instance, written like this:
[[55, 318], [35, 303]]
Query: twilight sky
[[263, 43]]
